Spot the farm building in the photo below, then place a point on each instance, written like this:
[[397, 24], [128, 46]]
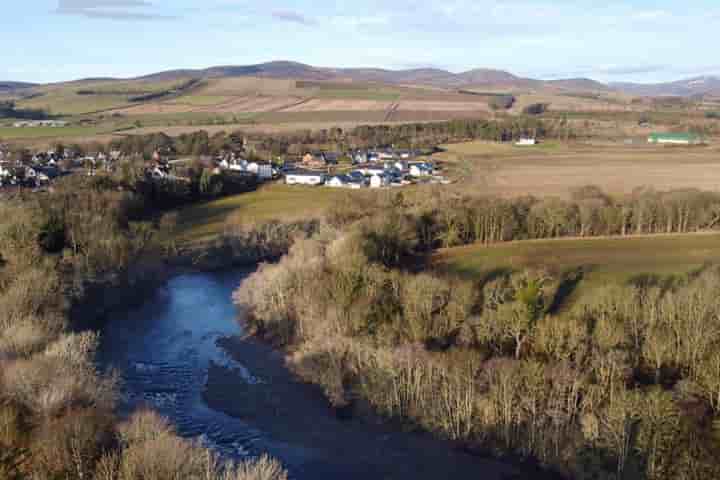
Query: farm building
[[674, 138], [303, 177]]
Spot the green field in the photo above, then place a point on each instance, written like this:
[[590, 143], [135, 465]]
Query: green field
[[603, 261], [33, 133], [206, 221]]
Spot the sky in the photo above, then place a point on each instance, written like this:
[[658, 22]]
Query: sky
[[632, 40]]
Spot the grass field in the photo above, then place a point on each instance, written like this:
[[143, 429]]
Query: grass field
[[33, 133], [603, 260], [555, 169], [206, 221]]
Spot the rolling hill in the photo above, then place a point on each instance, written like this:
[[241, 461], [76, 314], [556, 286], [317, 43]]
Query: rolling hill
[[684, 88], [429, 77]]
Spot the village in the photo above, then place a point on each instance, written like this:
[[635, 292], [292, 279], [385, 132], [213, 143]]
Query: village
[[375, 168], [387, 167]]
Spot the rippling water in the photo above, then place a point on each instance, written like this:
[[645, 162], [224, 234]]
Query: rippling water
[[166, 353], [163, 350]]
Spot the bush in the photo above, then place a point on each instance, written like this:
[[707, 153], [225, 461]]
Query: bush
[[536, 109]]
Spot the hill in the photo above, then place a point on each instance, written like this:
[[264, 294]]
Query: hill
[[11, 87], [430, 77], [707, 85]]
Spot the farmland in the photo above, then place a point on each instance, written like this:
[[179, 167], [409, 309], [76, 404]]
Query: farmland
[[557, 169], [603, 261], [205, 222]]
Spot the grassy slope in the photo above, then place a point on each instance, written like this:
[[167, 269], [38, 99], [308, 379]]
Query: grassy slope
[[604, 260], [206, 221]]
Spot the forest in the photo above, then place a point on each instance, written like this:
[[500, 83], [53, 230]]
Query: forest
[[58, 417], [621, 384]]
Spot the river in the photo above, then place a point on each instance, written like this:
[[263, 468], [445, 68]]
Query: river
[[240, 399]]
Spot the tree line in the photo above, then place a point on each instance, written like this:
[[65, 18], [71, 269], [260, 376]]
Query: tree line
[[413, 135]]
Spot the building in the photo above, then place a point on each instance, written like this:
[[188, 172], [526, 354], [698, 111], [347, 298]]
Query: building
[[421, 170], [526, 142], [304, 177], [314, 160], [264, 171], [674, 139], [338, 181], [379, 181]]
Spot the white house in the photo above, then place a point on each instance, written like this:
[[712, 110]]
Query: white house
[[369, 170], [379, 181], [338, 181], [264, 171], [420, 170], [304, 178], [4, 172], [234, 165], [526, 142]]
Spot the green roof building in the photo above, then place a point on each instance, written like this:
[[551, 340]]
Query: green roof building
[[675, 138]]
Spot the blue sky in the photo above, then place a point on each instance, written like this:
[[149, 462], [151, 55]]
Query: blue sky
[[631, 40]]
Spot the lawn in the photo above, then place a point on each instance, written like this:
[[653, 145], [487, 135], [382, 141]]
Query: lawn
[[206, 221], [603, 260]]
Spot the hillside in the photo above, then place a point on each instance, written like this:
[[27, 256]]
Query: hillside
[[421, 76], [12, 87], [428, 77], [684, 88]]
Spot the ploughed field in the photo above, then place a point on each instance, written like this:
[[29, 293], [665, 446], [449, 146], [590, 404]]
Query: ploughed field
[[554, 169]]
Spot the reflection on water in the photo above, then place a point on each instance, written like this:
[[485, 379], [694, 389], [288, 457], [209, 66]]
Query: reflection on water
[[163, 349]]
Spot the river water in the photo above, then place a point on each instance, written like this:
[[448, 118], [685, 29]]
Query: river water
[[240, 399]]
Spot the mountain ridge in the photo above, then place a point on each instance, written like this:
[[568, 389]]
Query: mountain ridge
[[431, 77]]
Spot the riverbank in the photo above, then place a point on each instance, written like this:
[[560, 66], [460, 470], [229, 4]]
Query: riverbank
[[298, 414]]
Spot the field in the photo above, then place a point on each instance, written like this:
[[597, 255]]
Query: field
[[602, 260], [555, 169], [203, 222]]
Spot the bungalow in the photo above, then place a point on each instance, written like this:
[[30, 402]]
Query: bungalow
[[314, 160], [373, 157], [674, 138], [338, 181], [359, 157], [264, 171], [379, 181], [371, 169], [421, 170], [304, 177], [357, 177]]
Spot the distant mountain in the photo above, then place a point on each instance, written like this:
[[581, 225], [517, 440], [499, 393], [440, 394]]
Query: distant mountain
[[684, 88], [421, 76], [579, 84], [432, 77], [10, 87]]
